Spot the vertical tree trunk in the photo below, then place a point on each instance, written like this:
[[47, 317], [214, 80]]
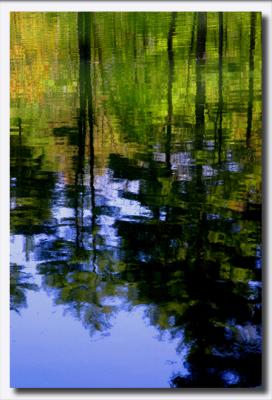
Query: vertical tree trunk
[[251, 76], [200, 81], [170, 53], [85, 105], [190, 53], [220, 84], [200, 130]]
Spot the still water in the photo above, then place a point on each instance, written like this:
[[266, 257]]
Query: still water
[[135, 200]]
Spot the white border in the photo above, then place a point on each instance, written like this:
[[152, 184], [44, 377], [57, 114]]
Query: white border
[[5, 392]]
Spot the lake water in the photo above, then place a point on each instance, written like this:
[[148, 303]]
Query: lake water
[[136, 200]]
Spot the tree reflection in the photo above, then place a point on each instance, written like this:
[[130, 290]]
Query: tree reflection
[[180, 253], [70, 273], [172, 222], [28, 217], [186, 250], [20, 283]]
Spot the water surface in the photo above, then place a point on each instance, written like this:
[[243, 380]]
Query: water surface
[[135, 200]]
